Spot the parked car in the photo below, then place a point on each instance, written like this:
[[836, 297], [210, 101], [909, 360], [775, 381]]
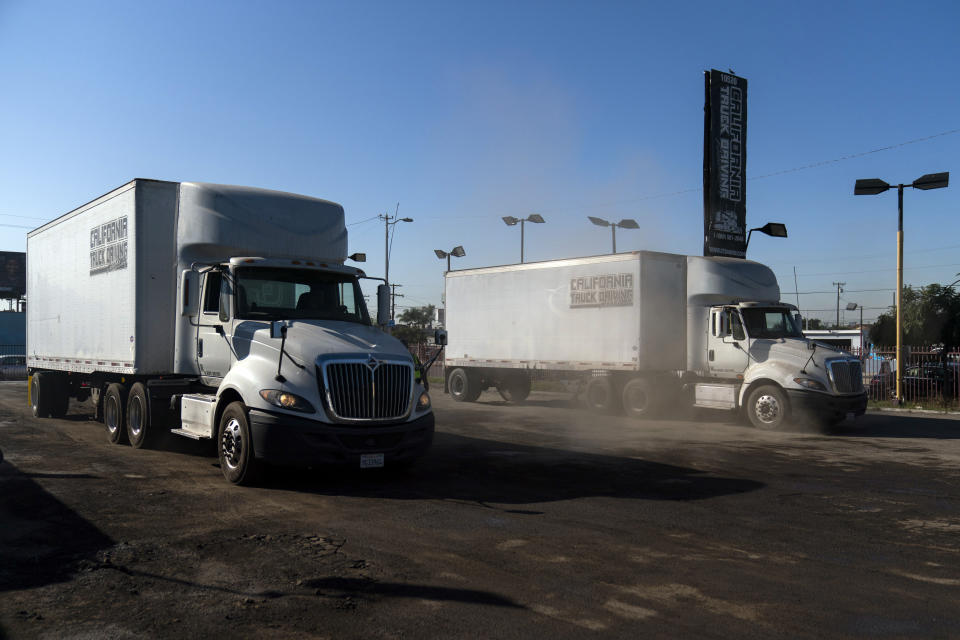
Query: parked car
[[13, 367]]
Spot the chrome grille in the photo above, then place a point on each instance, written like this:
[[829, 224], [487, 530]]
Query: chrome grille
[[366, 391], [846, 375]]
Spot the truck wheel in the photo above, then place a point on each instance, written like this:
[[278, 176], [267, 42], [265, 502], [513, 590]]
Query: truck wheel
[[39, 389], [138, 416], [235, 446], [599, 395], [59, 399], [463, 386], [767, 407], [515, 388], [115, 413], [639, 398]]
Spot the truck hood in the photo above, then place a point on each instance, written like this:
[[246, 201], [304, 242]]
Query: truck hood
[[310, 339], [313, 339], [792, 350]]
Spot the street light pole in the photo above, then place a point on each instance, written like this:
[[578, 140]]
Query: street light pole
[[512, 221], [626, 223], [873, 186], [386, 241]]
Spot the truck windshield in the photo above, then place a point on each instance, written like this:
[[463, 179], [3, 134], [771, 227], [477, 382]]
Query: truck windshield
[[270, 293], [770, 323]]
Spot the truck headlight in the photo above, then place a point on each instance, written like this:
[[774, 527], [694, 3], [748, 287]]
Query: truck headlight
[[810, 383], [424, 402], [286, 400]]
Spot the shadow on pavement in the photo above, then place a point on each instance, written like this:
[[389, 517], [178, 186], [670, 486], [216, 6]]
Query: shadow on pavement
[[40, 538], [898, 425], [361, 588], [478, 470]]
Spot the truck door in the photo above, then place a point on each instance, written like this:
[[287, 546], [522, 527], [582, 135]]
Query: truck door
[[213, 340], [727, 354]]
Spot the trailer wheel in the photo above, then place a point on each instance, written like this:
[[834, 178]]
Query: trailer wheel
[[114, 413], [235, 446], [58, 395], [599, 395], [515, 388], [463, 386], [639, 398], [138, 417], [767, 407], [39, 390]]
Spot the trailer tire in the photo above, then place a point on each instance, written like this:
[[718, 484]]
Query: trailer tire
[[640, 398], [464, 386], [39, 390], [238, 461], [515, 388], [59, 399], [767, 407], [138, 417], [599, 395], [115, 413]]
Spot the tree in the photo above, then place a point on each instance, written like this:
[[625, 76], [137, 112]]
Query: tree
[[414, 323], [931, 315], [814, 323]]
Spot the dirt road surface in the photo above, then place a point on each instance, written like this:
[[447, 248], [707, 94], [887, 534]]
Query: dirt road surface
[[538, 520]]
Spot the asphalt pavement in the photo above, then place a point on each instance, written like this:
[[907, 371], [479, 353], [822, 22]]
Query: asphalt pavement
[[523, 521]]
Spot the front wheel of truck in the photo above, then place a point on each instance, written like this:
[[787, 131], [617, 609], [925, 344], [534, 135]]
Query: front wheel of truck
[[767, 407], [235, 446]]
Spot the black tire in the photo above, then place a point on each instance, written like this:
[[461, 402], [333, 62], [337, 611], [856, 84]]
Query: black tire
[[138, 417], [600, 395], [115, 413], [235, 446], [39, 390], [463, 386], [59, 399], [767, 407], [515, 388], [640, 398]]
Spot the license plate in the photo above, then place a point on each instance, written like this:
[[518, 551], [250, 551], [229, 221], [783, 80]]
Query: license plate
[[371, 460]]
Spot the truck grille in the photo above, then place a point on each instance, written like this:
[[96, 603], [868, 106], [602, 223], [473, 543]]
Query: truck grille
[[371, 390], [846, 375]]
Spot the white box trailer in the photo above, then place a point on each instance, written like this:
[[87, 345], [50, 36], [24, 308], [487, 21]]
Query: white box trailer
[[642, 330], [220, 312]]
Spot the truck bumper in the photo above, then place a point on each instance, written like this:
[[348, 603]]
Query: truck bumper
[[825, 407], [288, 440]]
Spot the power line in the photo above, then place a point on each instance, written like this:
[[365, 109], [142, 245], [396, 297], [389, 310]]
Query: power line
[[699, 189], [843, 273]]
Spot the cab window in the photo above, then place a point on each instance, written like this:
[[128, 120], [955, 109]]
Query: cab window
[[211, 293]]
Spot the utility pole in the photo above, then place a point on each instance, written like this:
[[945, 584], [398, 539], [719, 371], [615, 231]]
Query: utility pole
[[393, 298], [386, 239], [839, 286]]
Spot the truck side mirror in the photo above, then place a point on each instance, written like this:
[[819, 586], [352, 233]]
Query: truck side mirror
[[189, 292], [225, 299], [383, 305], [440, 337]]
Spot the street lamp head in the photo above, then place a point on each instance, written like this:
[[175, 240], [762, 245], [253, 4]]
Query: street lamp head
[[440, 254], [600, 222], [458, 252], [775, 229], [932, 181], [628, 223], [869, 187], [406, 219], [510, 220], [535, 217], [851, 306]]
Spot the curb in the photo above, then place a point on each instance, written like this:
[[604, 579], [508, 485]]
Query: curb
[[927, 411]]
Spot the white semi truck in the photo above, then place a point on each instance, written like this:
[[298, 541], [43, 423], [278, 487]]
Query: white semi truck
[[220, 312], [645, 332]]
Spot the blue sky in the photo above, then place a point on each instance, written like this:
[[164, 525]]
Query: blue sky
[[466, 112]]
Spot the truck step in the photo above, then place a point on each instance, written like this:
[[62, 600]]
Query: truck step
[[189, 434]]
